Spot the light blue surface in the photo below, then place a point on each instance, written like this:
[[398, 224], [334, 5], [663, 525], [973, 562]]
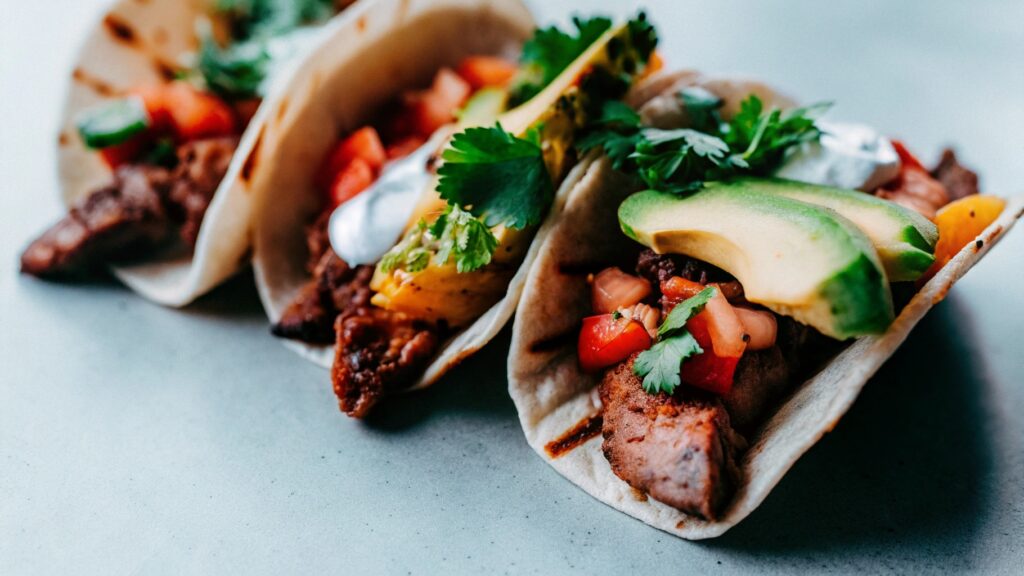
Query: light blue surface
[[139, 440]]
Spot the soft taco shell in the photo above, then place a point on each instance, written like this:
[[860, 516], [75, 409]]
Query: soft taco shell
[[553, 396], [400, 45], [137, 43]]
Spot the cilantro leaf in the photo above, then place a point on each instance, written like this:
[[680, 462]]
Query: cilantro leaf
[[616, 130], [236, 71], [760, 139], [464, 237], [497, 177], [249, 19], [659, 365], [678, 161], [701, 108], [685, 310], [551, 51], [455, 234]]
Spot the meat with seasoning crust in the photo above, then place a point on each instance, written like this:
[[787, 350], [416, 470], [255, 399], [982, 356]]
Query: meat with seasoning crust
[[113, 224], [679, 449], [139, 212], [959, 180], [335, 289], [378, 352], [202, 165]]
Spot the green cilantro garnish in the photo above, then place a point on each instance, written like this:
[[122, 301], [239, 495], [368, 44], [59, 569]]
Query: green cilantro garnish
[[679, 161], [551, 51], [659, 366], [236, 71], [455, 234], [249, 19], [496, 176]]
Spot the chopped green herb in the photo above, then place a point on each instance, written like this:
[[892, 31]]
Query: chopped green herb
[[113, 123], [679, 161], [551, 51], [659, 366], [455, 234], [234, 72], [685, 310], [249, 19], [497, 177]]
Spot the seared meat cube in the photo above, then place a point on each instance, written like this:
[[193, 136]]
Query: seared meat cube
[[201, 167], [112, 224], [679, 449], [959, 181], [378, 352]]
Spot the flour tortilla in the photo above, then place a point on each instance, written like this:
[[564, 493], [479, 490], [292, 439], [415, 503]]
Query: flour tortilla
[[137, 43], [552, 395], [401, 46]]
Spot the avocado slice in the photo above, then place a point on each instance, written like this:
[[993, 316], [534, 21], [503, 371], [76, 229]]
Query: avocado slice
[[905, 240], [798, 259]]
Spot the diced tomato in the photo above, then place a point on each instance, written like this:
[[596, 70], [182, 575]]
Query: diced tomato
[[125, 152], [606, 341], [906, 157], [246, 109], [430, 109], [614, 289], [960, 222], [187, 112], [760, 327], [707, 371], [483, 71], [676, 289], [404, 147], [363, 143], [724, 326], [352, 180]]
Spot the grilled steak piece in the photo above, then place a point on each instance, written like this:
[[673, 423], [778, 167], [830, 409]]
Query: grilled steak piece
[[959, 181], [378, 352], [112, 224], [679, 449], [336, 288], [202, 165], [137, 213], [657, 268], [318, 241]]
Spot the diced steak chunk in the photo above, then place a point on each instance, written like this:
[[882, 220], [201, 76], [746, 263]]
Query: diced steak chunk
[[959, 181], [335, 289], [112, 224], [202, 165], [378, 352], [679, 449]]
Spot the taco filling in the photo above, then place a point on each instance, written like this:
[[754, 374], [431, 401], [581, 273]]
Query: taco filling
[[494, 139], [168, 145], [765, 238]]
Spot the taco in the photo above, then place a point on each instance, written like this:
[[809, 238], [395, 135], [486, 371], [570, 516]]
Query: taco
[[693, 322], [415, 192], [162, 111]]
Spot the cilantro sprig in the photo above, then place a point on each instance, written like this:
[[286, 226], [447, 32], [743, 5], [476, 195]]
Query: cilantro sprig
[[659, 365], [679, 161], [551, 51], [497, 177], [455, 234]]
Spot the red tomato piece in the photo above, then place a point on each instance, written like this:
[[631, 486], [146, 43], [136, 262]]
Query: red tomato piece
[[614, 289], [724, 326], [906, 157], [606, 341], [484, 71], [125, 152], [676, 289], [363, 143], [430, 109], [707, 370], [352, 180], [187, 112]]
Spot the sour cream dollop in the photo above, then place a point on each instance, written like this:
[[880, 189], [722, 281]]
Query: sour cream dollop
[[363, 229], [850, 156]]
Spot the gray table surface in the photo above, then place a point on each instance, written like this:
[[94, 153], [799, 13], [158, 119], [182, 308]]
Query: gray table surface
[[140, 440]]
